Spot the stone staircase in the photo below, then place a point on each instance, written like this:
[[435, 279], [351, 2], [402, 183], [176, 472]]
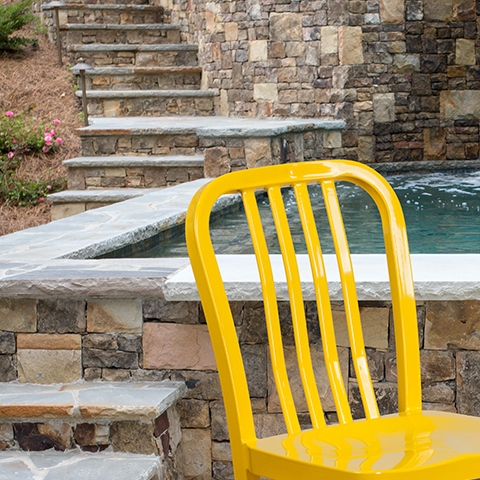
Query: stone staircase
[[141, 69], [121, 431], [151, 124]]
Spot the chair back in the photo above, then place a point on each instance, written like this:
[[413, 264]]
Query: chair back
[[298, 177]]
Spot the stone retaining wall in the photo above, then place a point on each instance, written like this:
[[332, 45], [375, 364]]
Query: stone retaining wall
[[403, 74], [65, 340]]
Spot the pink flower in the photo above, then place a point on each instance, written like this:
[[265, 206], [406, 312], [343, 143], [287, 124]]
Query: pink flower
[[59, 141], [41, 199], [35, 127], [49, 187], [9, 114], [10, 154], [56, 122], [14, 141], [45, 149], [48, 137], [53, 131]]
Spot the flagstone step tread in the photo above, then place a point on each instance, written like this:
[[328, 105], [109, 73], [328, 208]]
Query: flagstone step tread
[[106, 6], [99, 195], [142, 70], [113, 26], [88, 400], [51, 465], [147, 93], [136, 161], [114, 47], [215, 126]]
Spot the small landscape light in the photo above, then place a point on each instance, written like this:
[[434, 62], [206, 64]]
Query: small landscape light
[[80, 68]]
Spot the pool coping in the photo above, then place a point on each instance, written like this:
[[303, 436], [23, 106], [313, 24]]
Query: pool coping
[[57, 265]]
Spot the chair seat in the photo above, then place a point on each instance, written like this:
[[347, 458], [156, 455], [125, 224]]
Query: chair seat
[[422, 446]]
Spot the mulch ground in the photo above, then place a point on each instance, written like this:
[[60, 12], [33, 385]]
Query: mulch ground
[[31, 81]]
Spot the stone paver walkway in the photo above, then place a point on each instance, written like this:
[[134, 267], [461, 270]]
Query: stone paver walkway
[[52, 465]]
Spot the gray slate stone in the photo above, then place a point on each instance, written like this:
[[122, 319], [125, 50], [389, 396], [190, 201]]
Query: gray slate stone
[[61, 316], [78, 466]]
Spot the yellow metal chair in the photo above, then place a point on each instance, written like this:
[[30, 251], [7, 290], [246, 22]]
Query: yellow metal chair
[[410, 444]]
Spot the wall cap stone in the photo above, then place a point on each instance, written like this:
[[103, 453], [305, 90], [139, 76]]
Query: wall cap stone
[[437, 277]]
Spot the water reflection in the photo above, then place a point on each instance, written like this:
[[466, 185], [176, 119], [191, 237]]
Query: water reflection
[[442, 212]]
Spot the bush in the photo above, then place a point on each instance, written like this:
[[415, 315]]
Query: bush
[[12, 18], [19, 135], [23, 192]]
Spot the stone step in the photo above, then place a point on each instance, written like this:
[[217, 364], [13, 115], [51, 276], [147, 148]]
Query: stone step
[[78, 465], [147, 171], [73, 202], [141, 136], [143, 78], [135, 161], [133, 417], [116, 2], [146, 33], [134, 103], [163, 55], [105, 14], [227, 143]]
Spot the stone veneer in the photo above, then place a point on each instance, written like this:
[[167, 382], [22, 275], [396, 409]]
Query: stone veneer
[[143, 339], [403, 74]]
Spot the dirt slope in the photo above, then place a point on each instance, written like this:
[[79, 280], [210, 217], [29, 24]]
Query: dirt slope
[[31, 81]]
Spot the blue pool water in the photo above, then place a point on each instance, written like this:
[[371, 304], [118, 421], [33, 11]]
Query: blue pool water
[[442, 212]]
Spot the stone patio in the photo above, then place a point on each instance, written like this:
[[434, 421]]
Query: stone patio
[[76, 465]]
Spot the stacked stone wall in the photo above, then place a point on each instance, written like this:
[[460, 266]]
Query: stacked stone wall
[[403, 74], [65, 340]]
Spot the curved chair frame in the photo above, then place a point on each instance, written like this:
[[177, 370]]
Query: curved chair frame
[[410, 444]]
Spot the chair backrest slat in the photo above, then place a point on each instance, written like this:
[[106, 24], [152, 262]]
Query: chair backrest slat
[[350, 299], [297, 307], [224, 336], [324, 309], [277, 356]]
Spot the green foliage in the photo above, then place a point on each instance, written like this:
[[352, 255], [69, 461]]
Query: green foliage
[[22, 192], [13, 17], [19, 135]]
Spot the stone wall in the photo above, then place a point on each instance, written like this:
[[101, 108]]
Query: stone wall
[[404, 74], [65, 340], [228, 154]]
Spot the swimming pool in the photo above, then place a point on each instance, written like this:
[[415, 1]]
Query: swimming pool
[[442, 212]]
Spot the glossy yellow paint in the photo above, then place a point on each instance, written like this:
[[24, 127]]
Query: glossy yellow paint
[[412, 444]]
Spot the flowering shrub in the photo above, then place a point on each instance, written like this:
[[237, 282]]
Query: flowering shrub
[[20, 135], [29, 192]]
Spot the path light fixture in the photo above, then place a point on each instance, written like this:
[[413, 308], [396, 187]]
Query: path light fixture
[[80, 68], [55, 5]]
